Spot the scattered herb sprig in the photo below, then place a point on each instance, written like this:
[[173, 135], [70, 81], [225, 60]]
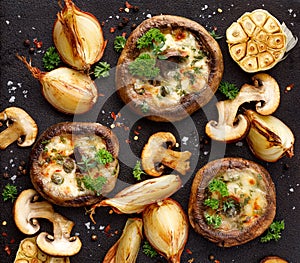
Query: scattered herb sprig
[[144, 66], [137, 171], [230, 90], [148, 250], [152, 37], [119, 43], [274, 232], [102, 70], [214, 34], [51, 59], [10, 192]]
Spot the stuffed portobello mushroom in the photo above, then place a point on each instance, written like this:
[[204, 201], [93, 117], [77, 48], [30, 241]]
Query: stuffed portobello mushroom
[[75, 163], [169, 68], [232, 201]]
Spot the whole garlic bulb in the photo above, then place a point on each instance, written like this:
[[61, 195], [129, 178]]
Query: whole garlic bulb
[[166, 228], [78, 37], [269, 138], [68, 90]]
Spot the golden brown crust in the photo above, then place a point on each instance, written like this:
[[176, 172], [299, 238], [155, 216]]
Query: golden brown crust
[[196, 207], [75, 128], [273, 259], [189, 103]]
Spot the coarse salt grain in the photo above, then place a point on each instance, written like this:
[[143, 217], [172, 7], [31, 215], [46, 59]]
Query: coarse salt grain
[[292, 190], [88, 225], [7, 22], [9, 83], [101, 227], [184, 140], [12, 99]]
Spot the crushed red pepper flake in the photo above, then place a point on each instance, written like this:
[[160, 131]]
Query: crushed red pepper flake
[[38, 44], [7, 250], [112, 29], [128, 5], [189, 251], [136, 132]]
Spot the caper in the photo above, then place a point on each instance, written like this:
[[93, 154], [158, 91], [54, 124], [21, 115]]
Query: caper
[[68, 165], [57, 179]]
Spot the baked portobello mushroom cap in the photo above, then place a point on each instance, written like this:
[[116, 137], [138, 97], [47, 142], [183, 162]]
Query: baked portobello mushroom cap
[[190, 66], [243, 213], [75, 163]]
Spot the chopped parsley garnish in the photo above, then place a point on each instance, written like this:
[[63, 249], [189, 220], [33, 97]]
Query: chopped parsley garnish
[[51, 59], [137, 171], [94, 184], [144, 66], [9, 192], [102, 70], [218, 186], [148, 250], [103, 156], [228, 89], [274, 232], [153, 36], [119, 43], [212, 203], [214, 220]]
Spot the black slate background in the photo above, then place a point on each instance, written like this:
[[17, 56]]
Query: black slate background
[[30, 19]]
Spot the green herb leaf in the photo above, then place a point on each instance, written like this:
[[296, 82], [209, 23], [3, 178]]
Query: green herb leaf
[[102, 70], [215, 35], [103, 156], [137, 171], [119, 43], [212, 203], [218, 186], [145, 107], [94, 184], [51, 59], [9, 192], [144, 66], [274, 232], [228, 89], [229, 203], [214, 220], [154, 35], [148, 250]]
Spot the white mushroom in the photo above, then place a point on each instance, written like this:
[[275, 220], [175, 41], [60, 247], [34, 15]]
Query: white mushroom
[[21, 128], [27, 209], [230, 127], [158, 153]]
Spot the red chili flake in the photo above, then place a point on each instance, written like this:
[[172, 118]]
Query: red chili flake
[[217, 261], [112, 29], [113, 115], [136, 132], [139, 127], [116, 232], [38, 44], [215, 28], [102, 23], [121, 9], [128, 5], [124, 34], [4, 234], [7, 250], [189, 251], [289, 88], [180, 35], [101, 95], [107, 229], [12, 241]]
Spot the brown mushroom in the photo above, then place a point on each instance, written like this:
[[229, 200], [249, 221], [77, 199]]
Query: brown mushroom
[[20, 127], [158, 154], [231, 128], [155, 103], [27, 209], [273, 259], [232, 201]]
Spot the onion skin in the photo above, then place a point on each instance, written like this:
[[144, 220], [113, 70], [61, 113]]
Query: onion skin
[[166, 228], [78, 37]]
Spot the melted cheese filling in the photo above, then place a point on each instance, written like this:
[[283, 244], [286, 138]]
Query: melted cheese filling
[[248, 191], [185, 71], [60, 181]]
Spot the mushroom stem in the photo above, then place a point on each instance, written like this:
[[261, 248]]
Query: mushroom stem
[[177, 160], [8, 136]]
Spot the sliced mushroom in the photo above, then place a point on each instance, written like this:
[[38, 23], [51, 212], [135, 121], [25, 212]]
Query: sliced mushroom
[[158, 153], [27, 209], [230, 127], [21, 128]]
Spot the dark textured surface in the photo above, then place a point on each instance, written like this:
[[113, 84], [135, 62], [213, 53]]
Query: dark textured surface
[[34, 19]]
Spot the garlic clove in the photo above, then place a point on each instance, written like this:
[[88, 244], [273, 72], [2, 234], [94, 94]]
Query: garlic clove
[[78, 37], [135, 198], [67, 90], [166, 228], [269, 138], [126, 249]]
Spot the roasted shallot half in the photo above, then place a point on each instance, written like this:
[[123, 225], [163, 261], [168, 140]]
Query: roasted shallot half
[[166, 228], [269, 138], [78, 37], [126, 249], [135, 198], [67, 90]]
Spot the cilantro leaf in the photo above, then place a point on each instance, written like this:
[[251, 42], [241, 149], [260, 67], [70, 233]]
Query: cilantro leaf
[[274, 232], [148, 250], [119, 43], [137, 171], [51, 59], [9, 192], [228, 89], [102, 70], [151, 37], [144, 66], [216, 185], [103, 157]]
